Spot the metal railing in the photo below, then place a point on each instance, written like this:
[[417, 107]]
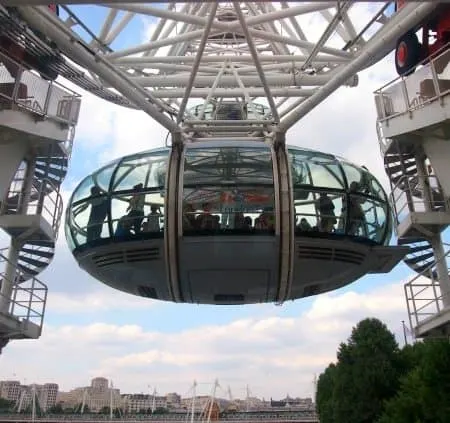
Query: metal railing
[[45, 201], [407, 196], [424, 299], [405, 94], [23, 89], [27, 303]]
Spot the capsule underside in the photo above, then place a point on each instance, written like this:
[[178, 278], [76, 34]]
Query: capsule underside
[[226, 223]]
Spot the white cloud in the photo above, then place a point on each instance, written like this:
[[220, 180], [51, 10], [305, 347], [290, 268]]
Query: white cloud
[[274, 354], [100, 299]]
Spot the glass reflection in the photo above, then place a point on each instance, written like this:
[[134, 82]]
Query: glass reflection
[[124, 199], [332, 196], [228, 190], [225, 210]]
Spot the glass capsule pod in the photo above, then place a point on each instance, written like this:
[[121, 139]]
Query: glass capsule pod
[[229, 222]]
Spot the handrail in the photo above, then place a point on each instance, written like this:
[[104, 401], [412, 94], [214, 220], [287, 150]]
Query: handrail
[[55, 209], [433, 284], [407, 93], [29, 296], [30, 92], [46, 202], [413, 201], [423, 62]]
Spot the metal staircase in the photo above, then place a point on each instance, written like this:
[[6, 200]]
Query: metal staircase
[[401, 167], [406, 130], [31, 209], [420, 256], [25, 313], [49, 171]]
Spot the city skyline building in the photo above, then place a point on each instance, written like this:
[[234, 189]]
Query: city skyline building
[[101, 394]]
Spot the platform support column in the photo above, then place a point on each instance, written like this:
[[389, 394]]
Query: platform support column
[[424, 183], [27, 186], [438, 152], [441, 268], [9, 278], [12, 154]]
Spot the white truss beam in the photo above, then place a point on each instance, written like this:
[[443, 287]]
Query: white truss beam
[[263, 55], [408, 17], [197, 62], [229, 81]]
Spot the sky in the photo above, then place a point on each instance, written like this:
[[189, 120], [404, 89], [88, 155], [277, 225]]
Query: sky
[[92, 330]]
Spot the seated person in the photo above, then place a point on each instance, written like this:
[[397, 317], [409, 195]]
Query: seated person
[[189, 221], [123, 226], [304, 225], [153, 219]]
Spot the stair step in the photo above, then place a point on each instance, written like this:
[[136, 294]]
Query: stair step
[[418, 248], [48, 173], [420, 258], [28, 270], [41, 253], [41, 243], [408, 170], [407, 158], [423, 267], [34, 262], [408, 241]]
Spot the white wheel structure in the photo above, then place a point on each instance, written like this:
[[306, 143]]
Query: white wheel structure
[[223, 75], [203, 52]]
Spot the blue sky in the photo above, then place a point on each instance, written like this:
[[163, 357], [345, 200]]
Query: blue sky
[[92, 330]]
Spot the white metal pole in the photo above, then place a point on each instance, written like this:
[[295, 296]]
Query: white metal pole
[[194, 393]]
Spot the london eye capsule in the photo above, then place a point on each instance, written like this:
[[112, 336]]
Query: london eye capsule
[[225, 222]]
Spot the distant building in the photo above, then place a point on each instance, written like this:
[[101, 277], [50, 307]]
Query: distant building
[[293, 403], [10, 390], [173, 401], [94, 397], [45, 396], [100, 384], [144, 403]]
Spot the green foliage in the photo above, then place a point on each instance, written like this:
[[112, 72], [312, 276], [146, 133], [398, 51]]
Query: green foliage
[[78, 409], [160, 410], [366, 374], [374, 381], [104, 410], [56, 409], [324, 398], [424, 392], [6, 405]]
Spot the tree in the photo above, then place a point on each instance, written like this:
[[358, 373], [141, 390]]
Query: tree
[[368, 372], [424, 391], [6, 405], [56, 409], [78, 409], [324, 394], [160, 410], [366, 375], [104, 410]]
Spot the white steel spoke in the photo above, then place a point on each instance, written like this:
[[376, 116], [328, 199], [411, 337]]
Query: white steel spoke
[[196, 66], [261, 55], [254, 54]]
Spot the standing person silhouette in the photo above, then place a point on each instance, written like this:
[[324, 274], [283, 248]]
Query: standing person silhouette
[[136, 208], [99, 210], [326, 209]]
